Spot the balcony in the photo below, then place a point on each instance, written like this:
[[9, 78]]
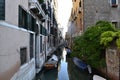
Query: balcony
[[34, 10], [32, 3], [44, 8], [40, 16]]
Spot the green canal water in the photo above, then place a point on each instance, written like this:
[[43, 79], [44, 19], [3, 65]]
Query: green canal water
[[66, 71]]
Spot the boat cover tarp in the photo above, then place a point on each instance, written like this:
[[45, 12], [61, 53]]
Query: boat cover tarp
[[79, 63]]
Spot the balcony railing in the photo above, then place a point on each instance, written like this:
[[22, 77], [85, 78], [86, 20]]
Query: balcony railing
[[36, 8]]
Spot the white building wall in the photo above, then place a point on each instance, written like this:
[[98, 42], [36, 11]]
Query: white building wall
[[11, 40], [12, 10], [26, 72]]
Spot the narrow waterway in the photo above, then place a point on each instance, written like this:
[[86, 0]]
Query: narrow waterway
[[66, 71]]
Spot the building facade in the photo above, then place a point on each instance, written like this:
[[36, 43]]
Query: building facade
[[75, 22], [108, 10], [101, 10], [91, 12], [28, 34]]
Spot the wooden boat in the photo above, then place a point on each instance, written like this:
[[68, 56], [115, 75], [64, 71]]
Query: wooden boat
[[51, 63], [97, 77], [79, 63]]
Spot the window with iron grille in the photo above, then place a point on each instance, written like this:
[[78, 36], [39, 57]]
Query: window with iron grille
[[2, 9], [23, 55]]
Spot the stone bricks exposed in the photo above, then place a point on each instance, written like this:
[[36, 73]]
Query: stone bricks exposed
[[113, 64]]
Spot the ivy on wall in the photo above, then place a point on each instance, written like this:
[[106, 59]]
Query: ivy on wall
[[87, 46], [110, 37]]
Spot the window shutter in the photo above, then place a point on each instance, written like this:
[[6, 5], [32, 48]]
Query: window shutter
[[2, 9]]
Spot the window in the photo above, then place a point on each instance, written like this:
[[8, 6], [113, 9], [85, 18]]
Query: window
[[23, 55], [43, 30], [41, 44], [26, 21], [22, 18], [31, 23], [80, 4], [2, 9], [115, 24], [31, 45], [114, 3]]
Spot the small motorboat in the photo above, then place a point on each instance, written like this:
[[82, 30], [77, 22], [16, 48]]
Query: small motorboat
[[51, 63], [79, 63], [82, 65], [97, 77]]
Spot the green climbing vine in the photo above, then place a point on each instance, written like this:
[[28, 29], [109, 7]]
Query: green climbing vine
[[110, 36], [87, 46]]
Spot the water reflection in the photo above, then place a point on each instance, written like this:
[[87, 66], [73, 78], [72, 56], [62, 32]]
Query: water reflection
[[48, 75], [63, 71], [66, 71], [64, 55]]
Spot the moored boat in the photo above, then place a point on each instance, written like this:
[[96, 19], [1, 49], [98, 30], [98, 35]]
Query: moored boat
[[79, 63], [97, 77], [51, 63], [82, 65]]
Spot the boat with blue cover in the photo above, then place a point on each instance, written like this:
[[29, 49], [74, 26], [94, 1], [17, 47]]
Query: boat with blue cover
[[79, 63], [82, 65]]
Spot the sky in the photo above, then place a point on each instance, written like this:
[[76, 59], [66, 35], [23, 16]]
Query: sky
[[64, 12]]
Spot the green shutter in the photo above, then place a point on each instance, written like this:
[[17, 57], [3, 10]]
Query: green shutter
[[43, 31], [2, 9]]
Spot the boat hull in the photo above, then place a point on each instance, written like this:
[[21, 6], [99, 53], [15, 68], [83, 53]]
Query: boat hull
[[96, 77], [80, 64]]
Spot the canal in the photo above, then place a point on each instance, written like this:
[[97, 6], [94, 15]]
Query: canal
[[66, 70]]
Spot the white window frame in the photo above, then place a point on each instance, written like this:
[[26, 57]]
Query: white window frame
[[115, 4]]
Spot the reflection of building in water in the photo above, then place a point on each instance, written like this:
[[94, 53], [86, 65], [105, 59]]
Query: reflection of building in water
[[63, 72], [49, 75], [63, 68], [75, 73], [70, 70], [64, 55]]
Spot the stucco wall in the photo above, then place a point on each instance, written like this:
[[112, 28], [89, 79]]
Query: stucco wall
[[11, 40], [112, 60], [12, 9], [77, 17], [26, 72], [95, 10]]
